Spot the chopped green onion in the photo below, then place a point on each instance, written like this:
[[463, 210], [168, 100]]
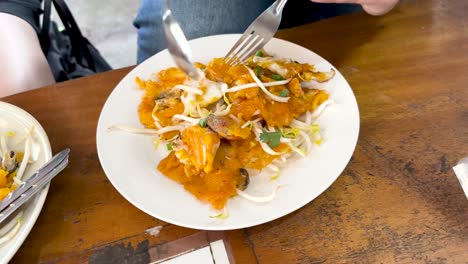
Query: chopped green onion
[[315, 128], [274, 177], [203, 122], [259, 53], [271, 138], [156, 143], [277, 77], [169, 146], [284, 93], [221, 216], [290, 132], [258, 71]]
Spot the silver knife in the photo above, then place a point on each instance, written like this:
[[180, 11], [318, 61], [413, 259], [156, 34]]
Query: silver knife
[[33, 184]]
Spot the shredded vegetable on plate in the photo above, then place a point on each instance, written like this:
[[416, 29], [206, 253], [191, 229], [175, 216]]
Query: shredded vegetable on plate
[[255, 116], [15, 155]]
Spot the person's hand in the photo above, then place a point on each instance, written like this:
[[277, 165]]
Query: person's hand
[[373, 7]]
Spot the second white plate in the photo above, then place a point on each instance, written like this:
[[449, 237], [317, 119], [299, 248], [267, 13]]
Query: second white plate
[[17, 120]]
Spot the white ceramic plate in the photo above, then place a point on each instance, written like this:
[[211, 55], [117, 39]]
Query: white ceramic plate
[[130, 160], [19, 121]]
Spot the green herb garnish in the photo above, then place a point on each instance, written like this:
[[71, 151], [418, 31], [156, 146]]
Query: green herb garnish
[[169, 146], [258, 71], [284, 93], [203, 122], [259, 53], [271, 138], [277, 77]]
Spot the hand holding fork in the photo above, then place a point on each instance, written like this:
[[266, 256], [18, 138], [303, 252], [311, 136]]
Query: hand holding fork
[[254, 38]]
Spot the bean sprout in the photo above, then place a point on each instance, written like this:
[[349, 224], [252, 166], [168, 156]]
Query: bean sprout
[[265, 90], [259, 199], [144, 131], [193, 121], [252, 85], [321, 107]]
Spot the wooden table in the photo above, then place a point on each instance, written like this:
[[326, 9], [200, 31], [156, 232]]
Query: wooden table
[[397, 201]]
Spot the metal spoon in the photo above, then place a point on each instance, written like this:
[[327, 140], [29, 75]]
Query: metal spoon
[[177, 44]]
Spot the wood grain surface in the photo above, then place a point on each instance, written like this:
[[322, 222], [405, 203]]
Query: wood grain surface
[[398, 200]]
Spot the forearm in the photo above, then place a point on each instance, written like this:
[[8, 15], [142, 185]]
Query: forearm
[[23, 65]]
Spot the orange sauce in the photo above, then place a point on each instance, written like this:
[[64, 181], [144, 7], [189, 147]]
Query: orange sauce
[[217, 186], [209, 166]]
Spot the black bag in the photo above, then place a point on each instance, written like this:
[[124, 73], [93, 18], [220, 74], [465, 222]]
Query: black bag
[[70, 55]]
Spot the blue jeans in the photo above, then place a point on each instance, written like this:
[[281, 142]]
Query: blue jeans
[[199, 18]]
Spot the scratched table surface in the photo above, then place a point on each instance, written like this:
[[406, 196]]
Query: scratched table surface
[[398, 200]]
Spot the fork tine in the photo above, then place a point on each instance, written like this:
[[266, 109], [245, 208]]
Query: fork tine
[[234, 48], [260, 31], [244, 45], [259, 43], [247, 53], [241, 52]]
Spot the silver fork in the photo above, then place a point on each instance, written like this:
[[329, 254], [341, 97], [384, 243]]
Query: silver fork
[[257, 34], [177, 43]]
